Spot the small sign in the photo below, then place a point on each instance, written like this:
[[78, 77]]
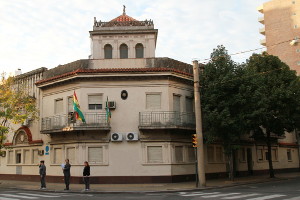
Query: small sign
[[47, 148]]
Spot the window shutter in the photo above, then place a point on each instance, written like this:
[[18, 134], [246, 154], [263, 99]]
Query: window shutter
[[219, 154], [71, 154], [95, 99], [179, 154], [154, 154], [95, 154], [58, 106], [123, 51], [189, 105], [108, 51], [139, 51], [191, 154], [70, 104], [176, 103], [210, 154], [35, 156], [153, 101], [27, 157], [57, 156], [10, 157]]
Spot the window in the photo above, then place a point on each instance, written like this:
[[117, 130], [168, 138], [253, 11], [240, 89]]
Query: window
[[57, 159], [139, 51], [219, 154], [153, 101], [191, 154], [123, 51], [298, 50], [260, 154], [154, 154], [71, 154], [58, 106], [189, 104], [108, 51], [243, 155], [18, 157], [70, 104], [210, 154], [176, 103], [95, 155], [178, 154], [95, 102], [274, 155], [289, 154]]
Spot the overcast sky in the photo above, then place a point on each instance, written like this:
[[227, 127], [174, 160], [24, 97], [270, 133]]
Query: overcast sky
[[46, 33]]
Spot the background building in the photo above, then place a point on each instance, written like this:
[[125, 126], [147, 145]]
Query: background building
[[281, 20]]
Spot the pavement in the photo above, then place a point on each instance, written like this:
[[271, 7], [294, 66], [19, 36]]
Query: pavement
[[147, 188]]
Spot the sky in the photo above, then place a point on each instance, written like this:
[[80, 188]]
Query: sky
[[47, 33]]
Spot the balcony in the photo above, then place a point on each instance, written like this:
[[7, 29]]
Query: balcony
[[263, 42], [167, 120], [63, 123], [261, 20], [262, 31]]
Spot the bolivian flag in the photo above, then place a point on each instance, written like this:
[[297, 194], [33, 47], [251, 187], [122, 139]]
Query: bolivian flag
[[78, 114]]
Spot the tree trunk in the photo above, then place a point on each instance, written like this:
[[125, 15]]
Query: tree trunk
[[230, 165], [271, 170]]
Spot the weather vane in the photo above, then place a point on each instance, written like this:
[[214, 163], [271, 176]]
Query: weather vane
[[124, 7]]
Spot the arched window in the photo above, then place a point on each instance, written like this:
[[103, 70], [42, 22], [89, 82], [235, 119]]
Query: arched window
[[123, 51], [139, 50], [108, 51]]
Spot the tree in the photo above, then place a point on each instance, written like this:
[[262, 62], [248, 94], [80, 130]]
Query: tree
[[15, 106], [222, 103], [274, 93]]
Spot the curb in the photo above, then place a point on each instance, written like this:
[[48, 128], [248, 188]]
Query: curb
[[155, 191]]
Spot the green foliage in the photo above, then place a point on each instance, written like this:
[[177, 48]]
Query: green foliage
[[15, 106]]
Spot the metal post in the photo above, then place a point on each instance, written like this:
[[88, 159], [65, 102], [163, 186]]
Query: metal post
[[198, 115], [196, 167]]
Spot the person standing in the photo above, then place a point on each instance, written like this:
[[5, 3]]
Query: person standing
[[67, 173], [42, 171], [86, 175]]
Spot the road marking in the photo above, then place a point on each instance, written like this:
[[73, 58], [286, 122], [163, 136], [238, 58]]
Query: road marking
[[241, 196], [268, 197], [38, 195], [198, 194], [294, 198], [18, 196], [3, 198], [219, 195]]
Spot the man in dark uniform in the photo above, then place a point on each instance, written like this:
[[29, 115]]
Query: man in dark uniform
[[42, 172], [67, 173]]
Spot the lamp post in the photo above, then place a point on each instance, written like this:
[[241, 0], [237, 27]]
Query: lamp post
[[199, 132]]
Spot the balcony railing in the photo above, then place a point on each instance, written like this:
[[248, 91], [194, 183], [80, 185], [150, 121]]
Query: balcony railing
[[166, 120], [62, 123]]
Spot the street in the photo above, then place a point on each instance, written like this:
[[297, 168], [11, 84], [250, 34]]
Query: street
[[283, 190]]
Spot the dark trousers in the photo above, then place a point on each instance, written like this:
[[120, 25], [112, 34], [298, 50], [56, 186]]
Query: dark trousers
[[43, 181], [86, 180], [67, 181]]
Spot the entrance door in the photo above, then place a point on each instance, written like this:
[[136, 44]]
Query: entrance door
[[249, 161]]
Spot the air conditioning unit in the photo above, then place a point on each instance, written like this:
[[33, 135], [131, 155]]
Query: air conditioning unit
[[3, 153], [41, 152], [132, 136], [116, 137], [111, 104]]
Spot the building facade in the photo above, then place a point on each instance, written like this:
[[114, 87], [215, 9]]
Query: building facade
[[148, 137], [281, 28]]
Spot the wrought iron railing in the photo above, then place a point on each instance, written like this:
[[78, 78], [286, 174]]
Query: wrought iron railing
[[68, 122], [166, 119]]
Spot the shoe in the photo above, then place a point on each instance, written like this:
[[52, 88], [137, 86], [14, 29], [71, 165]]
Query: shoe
[[87, 189], [66, 189], [43, 188]]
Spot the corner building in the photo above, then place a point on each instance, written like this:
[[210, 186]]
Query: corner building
[[148, 138]]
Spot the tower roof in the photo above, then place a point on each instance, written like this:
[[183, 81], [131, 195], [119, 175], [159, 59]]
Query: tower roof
[[123, 18]]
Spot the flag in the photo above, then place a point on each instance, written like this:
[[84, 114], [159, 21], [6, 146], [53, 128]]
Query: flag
[[108, 113], [78, 114]]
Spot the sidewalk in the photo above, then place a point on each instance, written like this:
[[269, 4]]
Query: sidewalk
[[162, 187]]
